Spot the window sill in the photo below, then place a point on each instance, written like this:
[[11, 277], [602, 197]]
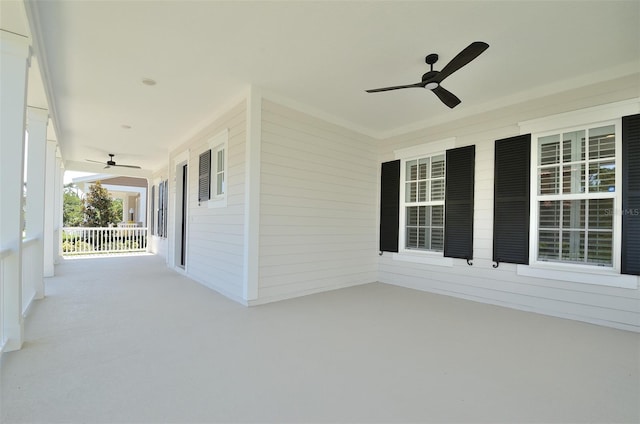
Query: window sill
[[423, 258], [577, 274]]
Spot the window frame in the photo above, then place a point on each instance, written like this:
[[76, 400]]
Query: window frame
[[429, 150], [218, 143], [593, 117], [536, 198]]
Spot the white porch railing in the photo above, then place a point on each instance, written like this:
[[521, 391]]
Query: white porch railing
[[101, 240], [29, 272]]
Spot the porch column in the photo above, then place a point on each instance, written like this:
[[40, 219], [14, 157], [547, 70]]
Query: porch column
[[49, 210], [37, 120], [15, 56], [58, 190]]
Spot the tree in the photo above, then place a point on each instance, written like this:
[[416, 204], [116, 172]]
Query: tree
[[98, 211], [72, 207], [116, 209]]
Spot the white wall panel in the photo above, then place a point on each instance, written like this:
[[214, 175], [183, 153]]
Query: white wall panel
[[318, 205]]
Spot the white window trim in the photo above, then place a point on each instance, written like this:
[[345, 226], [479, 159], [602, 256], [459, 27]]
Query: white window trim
[[216, 143], [586, 118], [415, 152]]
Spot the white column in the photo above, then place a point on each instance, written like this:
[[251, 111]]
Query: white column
[[37, 120], [14, 56], [58, 189], [49, 210]]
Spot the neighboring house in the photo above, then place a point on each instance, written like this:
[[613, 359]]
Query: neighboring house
[[130, 190], [271, 202]]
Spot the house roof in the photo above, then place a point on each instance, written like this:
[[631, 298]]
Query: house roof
[[317, 55]]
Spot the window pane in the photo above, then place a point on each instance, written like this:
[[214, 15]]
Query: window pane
[[437, 167], [549, 180], [602, 176], [573, 246], [422, 215], [549, 245], [220, 161], [600, 248], [437, 189], [437, 216], [602, 142], [549, 216], [549, 150], [422, 191], [423, 238], [573, 178], [573, 146], [411, 192], [220, 183], [412, 216], [573, 214], [423, 165], [601, 214], [437, 239], [412, 170], [412, 238]]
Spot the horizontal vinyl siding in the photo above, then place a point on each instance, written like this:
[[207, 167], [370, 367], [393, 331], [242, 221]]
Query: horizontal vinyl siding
[[602, 305], [216, 235], [318, 205]]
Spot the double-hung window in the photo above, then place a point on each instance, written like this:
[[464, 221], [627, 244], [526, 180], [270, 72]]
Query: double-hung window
[[214, 171], [577, 195], [585, 196], [423, 203]]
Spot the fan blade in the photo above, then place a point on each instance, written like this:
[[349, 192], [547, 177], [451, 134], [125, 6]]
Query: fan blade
[[94, 161], [472, 51], [447, 97], [128, 166], [397, 87]]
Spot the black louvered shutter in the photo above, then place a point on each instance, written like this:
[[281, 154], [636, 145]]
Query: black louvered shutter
[[458, 203], [389, 206], [511, 199], [631, 195], [204, 177]]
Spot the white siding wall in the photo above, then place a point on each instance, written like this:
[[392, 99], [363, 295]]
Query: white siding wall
[[318, 210], [215, 235], [592, 303]]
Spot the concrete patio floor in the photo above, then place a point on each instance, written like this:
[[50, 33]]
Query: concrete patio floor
[[126, 340]]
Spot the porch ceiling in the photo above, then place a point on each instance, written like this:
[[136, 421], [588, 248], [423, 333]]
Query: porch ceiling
[[320, 55]]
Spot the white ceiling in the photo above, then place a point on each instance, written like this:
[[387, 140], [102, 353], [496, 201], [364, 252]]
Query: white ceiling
[[320, 55]]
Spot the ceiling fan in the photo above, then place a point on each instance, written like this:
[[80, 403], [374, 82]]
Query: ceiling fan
[[432, 79], [111, 163]]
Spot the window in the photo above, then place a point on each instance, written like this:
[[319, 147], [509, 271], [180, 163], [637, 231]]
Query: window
[[163, 203], [426, 203], [423, 203], [585, 196], [218, 170], [577, 196]]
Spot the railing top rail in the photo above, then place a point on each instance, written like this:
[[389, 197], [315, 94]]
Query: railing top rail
[[5, 253], [29, 241]]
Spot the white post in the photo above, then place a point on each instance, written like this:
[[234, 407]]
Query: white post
[[58, 186], [37, 120], [49, 210], [15, 55]]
